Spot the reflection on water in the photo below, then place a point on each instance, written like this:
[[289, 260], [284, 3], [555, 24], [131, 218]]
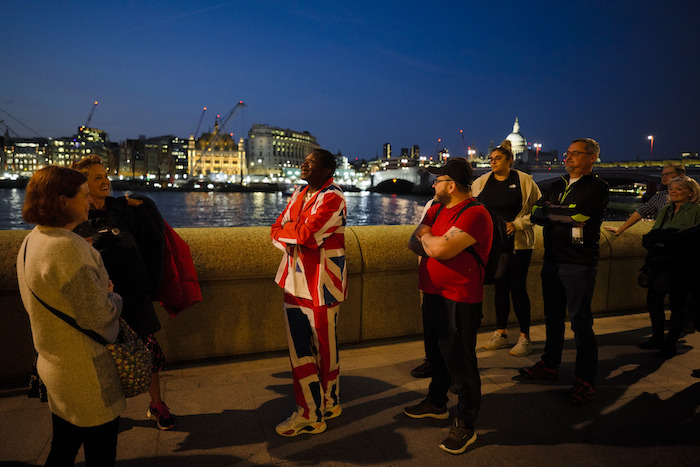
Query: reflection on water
[[375, 209], [214, 209], [11, 201]]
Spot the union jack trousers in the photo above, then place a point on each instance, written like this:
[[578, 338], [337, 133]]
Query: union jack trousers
[[313, 354]]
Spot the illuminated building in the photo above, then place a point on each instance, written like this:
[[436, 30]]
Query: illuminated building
[[517, 141], [88, 141], [217, 156], [23, 156], [271, 149], [160, 158], [415, 152]]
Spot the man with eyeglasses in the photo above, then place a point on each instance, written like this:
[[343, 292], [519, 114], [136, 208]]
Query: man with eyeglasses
[[652, 207], [453, 231], [571, 213]]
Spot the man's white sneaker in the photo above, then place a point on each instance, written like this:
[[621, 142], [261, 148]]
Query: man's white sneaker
[[296, 425], [498, 341], [522, 348]]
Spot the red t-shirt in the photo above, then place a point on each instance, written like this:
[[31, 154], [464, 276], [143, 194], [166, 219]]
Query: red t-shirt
[[458, 278]]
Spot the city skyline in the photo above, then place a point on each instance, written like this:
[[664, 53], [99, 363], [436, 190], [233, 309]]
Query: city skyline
[[361, 75]]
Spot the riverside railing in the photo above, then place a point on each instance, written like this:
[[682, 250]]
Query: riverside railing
[[242, 308]]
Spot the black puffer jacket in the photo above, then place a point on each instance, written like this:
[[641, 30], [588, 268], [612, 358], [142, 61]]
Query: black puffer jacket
[[130, 241]]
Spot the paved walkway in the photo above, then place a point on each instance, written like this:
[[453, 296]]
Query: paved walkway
[[647, 412]]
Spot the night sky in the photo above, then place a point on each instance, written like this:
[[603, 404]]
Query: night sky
[[358, 74]]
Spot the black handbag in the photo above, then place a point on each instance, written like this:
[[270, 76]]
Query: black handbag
[[644, 278]]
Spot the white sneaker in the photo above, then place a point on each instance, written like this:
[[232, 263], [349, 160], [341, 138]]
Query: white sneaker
[[498, 341], [296, 425], [522, 348]]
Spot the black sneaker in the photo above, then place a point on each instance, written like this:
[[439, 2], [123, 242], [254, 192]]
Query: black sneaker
[[583, 392], [540, 371], [426, 409], [667, 351], [459, 439], [651, 344], [423, 370]]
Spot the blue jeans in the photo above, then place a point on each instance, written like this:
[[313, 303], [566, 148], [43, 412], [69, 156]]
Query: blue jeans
[[450, 340], [570, 286]]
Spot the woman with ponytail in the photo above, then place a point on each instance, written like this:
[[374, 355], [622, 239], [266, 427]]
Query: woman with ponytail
[[511, 194]]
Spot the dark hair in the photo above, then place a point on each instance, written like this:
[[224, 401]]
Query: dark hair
[[84, 164], [42, 197], [505, 148], [326, 159]]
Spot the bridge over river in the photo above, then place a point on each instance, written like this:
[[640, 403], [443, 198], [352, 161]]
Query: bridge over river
[[417, 179]]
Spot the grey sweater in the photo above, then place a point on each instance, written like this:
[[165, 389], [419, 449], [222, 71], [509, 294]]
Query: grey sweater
[[80, 375]]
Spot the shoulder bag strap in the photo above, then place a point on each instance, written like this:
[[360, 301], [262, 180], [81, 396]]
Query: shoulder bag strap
[[470, 248], [68, 319]]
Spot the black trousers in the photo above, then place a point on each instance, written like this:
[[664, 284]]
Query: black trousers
[[570, 287], [450, 339], [514, 284], [682, 298], [100, 443], [655, 305]]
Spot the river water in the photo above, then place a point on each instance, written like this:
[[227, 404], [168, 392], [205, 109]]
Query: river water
[[218, 209]]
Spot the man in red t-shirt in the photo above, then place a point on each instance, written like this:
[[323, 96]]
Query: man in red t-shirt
[[450, 237]]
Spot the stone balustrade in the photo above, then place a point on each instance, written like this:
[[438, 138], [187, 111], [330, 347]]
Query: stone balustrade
[[242, 308]]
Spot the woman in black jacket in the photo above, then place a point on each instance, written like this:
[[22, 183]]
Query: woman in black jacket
[[128, 233]]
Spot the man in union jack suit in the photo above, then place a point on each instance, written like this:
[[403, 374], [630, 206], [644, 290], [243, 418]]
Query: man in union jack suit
[[313, 275]]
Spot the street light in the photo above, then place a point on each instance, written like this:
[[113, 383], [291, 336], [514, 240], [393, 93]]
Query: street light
[[651, 146], [437, 146], [537, 153]]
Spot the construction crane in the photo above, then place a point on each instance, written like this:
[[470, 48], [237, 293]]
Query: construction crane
[[217, 135], [199, 123], [92, 111], [230, 115], [8, 129], [18, 121]]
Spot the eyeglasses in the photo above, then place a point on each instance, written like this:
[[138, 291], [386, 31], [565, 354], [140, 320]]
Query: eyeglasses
[[495, 159], [576, 153], [435, 182]]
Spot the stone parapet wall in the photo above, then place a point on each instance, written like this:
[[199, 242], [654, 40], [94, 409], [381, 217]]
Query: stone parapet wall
[[242, 308]]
